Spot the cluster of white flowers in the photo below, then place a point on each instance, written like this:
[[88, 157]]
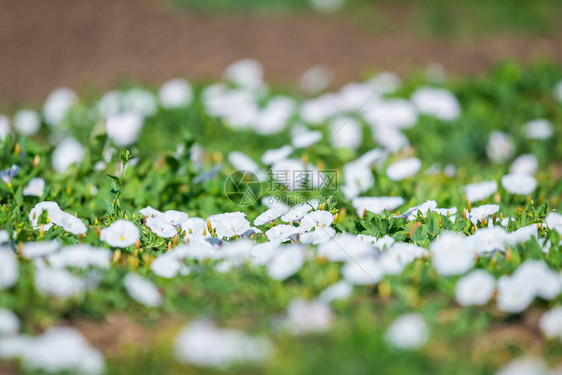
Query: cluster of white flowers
[[56, 216]]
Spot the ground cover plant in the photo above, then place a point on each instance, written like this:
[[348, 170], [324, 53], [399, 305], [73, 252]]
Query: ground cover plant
[[393, 225]]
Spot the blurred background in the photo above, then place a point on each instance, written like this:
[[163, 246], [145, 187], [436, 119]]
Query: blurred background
[[97, 44]]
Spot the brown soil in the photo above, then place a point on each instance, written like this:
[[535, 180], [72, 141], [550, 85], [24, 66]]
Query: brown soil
[[46, 44]]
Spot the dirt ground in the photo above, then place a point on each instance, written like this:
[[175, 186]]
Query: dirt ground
[[95, 44]]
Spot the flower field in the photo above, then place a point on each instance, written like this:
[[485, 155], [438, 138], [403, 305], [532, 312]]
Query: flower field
[[396, 225]]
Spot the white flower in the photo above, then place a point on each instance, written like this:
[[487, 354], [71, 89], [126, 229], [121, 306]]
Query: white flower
[[35, 187], [286, 262], [403, 169], [500, 147], [407, 332], [487, 240], [121, 233], [482, 212], [308, 316], [338, 291], [58, 283], [80, 256], [524, 366], [551, 324], [203, 344], [32, 250], [273, 156], [57, 350], [230, 226], [53, 212], [480, 190], [316, 219], [175, 218], [315, 79], [8, 268], [392, 139], [161, 227], [554, 221], [273, 118], [296, 213], [343, 248], [70, 223], [527, 164], [124, 128], [246, 73], [4, 127], [4, 236], [538, 129], [8, 174], [142, 290], [358, 178], [514, 295], [243, 162], [9, 323], [437, 102], [194, 225], [270, 214], [376, 205], [391, 113], [519, 183], [476, 288], [327, 6], [27, 122], [150, 212], [345, 132], [412, 213], [305, 138], [68, 152], [58, 104], [362, 271], [175, 93], [452, 254]]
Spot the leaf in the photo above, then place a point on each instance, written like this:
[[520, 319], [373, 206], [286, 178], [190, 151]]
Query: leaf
[[108, 207], [114, 178]]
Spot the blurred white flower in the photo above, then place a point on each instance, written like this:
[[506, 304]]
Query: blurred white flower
[[70, 223], [500, 147], [32, 250], [9, 323], [303, 138], [308, 316], [58, 104], [124, 128], [452, 254], [338, 291], [526, 163], [519, 183], [121, 233], [80, 256], [245, 73], [524, 366], [8, 174], [57, 350], [243, 162], [296, 213], [9, 270], [538, 129], [476, 288], [362, 271], [161, 227], [376, 205], [407, 332], [175, 93], [288, 172], [68, 152], [53, 211], [273, 156], [403, 169], [140, 101], [286, 262], [270, 214], [437, 102], [316, 79], [4, 127], [480, 190], [58, 283], [203, 344], [391, 113], [230, 226], [345, 132], [557, 91], [326, 6], [35, 187], [27, 122], [551, 324], [554, 221], [142, 290], [482, 212]]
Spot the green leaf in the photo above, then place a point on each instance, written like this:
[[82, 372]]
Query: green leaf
[[108, 207]]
